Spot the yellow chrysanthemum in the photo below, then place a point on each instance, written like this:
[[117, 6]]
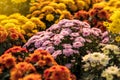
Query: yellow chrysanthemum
[[80, 4], [117, 38], [18, 1], [68, 2], [4, 21], [2, 17], [73, 7], [49, 17], [61, 6], [48, 9], [28, 26], [15, 21], [117, 5], [14, 16], [9, 25], [53, 4], [29, 34]]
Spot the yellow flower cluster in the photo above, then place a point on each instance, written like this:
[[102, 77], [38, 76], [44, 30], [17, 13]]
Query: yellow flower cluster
[[75, 5], [18, 1], [21, 24], [49, 12], [9, 7], [114, 25], [113, 7], [110, 5]]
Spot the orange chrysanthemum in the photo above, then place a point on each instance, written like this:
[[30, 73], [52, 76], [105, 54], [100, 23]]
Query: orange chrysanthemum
[[3, 34], [8, 60], [21, 69], [57, 73], [15, 49], [32, 77]]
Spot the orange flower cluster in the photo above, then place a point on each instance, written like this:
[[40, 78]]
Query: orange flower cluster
[[10, 34], [31, 67], [16, 49], [41, 58], [21, 69], [57, 73], [15, 35], [10, 37], [6, 62], [18, 52], [95, 17], [32, 77], [3, 34]]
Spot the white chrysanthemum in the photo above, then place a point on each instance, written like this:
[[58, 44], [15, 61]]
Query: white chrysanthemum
[[96, 56], [106, 51], [118, 74], [111, 47], [86, 57], [95, 59], [104, 61], [112, 70], [109, 77]]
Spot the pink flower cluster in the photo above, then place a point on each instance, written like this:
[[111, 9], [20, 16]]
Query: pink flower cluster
[[67, 37]]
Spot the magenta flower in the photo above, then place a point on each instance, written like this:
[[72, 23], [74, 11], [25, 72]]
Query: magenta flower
[[81, 39], [68, 52], [50, 49], [67, 46], [86, 31], [105, 40], [77, 44], [56, 53], [74, 34]]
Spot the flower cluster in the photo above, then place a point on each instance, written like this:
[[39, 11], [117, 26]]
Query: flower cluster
[[16, 29], [49, 12], [41, 59], [110, 5], [18, 1], [113, 27], [3, 34], [21, 69], [93, 64], [33, 76], [95, 16], [10, 58], [75, 5], [111, 73], [67, 41], [113, 51], [9, 7], [105, 63], [6, 61], [10, 37], [18, 52], [22, 24], [57, 73], [95, 60], [16, 65]]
